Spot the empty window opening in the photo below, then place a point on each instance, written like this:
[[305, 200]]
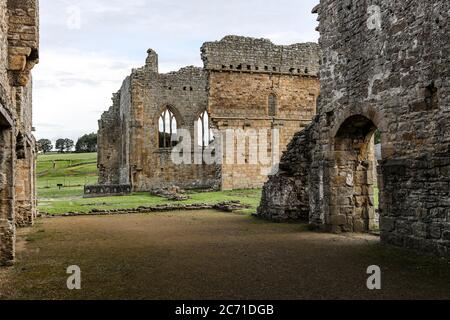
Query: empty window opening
[[167, 129], [205, 133]]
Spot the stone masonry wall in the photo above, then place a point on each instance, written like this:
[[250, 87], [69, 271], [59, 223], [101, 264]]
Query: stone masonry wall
[[385, 66], [243, 74], [19, 41], [184, 93], [110, 139], [246, 54]]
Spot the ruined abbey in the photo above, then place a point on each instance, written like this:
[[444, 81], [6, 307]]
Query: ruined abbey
[[384, 67], [246, 86], [380, 66], [19, 42]]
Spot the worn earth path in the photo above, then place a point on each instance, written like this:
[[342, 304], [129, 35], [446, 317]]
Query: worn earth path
[[210, 255]]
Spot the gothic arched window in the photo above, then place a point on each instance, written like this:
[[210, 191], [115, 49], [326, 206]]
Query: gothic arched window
[[205, 133], [272, 105], [167, 129]]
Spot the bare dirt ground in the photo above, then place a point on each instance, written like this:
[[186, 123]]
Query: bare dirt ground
[[211, 255]]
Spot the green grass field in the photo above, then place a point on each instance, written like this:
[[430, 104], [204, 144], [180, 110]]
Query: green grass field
[[73, 171]]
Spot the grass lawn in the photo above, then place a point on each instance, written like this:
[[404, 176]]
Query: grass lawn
[[75, 170]]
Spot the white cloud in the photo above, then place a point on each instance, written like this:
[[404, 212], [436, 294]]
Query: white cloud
[[72, 89]]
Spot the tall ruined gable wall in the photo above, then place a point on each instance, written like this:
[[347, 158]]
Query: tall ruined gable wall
[[243, 74], [184, 92]]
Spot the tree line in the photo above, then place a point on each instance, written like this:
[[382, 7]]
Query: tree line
[[86, 143]]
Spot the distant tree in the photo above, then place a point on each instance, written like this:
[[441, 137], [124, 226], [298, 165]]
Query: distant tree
[[60, 145], [68, 145], [87, 143], [64, 145], [44, 145]]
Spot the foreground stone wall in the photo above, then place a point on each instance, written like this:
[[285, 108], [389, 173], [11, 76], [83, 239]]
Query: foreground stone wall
[[385, 67], [235, 86], [19, 41]]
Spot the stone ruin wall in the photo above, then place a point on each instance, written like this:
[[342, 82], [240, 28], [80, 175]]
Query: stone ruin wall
[[184, 93], [19, 41], [390, 74], [234, 86], [135, 158], [243, 72]]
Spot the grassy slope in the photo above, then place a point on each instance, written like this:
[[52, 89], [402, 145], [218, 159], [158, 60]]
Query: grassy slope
[[76, 170]]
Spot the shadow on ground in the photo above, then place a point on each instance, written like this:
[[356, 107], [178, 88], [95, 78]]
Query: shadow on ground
[[211, 255]]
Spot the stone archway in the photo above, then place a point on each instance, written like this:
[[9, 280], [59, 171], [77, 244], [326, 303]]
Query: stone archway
[[353, 177]]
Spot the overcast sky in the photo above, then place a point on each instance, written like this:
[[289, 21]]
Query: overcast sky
[[89, 46]]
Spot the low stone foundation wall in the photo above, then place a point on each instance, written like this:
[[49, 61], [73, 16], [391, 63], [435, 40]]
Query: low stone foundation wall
[[226, 206], [106, 190]]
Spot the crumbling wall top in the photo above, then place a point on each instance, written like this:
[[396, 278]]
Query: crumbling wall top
[[245, 54]]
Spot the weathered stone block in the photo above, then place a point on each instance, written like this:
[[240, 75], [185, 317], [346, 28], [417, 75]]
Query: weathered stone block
[[17, 63]]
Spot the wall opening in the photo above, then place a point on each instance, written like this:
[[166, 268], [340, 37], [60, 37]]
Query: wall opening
[[167, 129], [354, 182], [205, 132]]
